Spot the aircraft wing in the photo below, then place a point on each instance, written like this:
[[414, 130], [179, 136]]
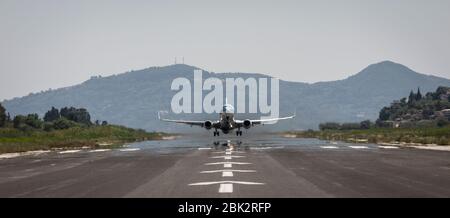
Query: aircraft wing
[[242, 123], [188, 122]]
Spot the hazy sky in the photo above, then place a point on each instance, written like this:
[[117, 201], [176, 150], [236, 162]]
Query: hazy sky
[[50, 44]]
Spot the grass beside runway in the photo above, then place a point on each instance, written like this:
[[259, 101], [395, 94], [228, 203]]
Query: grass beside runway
[[14, 140], [436, 135]]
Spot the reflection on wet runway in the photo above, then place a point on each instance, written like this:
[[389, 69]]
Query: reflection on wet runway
[[253, 142]]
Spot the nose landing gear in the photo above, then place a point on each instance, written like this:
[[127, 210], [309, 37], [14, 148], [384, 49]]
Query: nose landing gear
[[239, 133]]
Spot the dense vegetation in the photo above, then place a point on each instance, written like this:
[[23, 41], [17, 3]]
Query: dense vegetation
[[418, 109], [431, 135], [431, 110], [418, 119], [68, 127]]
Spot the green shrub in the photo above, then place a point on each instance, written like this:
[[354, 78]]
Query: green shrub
[[48, 126], [63, 123]]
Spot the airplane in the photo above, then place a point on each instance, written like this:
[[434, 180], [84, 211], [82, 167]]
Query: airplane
[[227, 122]]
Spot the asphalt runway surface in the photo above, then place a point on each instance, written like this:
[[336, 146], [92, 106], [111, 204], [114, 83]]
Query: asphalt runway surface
[[252, 166]]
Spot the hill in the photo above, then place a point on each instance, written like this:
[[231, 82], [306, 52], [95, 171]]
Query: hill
[[133, 98]]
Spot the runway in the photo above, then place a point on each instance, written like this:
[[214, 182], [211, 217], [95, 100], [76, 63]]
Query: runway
[[256, 167]]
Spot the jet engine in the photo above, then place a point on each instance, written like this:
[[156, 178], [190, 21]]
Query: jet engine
[[208, 124], [247, 124]]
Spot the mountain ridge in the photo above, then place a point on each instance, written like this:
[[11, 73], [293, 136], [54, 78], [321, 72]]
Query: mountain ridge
[[128, 98]]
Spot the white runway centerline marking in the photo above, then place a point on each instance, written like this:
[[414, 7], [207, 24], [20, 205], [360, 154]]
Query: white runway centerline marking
[[227, 174], [226, 188], [227, 164], [219, 163], [69, 151], [228, 157], [130, 149], [229, 170], [228, 152], [358, 147], [225, 182], [329, 147]]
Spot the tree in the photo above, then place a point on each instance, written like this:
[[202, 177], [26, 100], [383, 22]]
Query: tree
[[427, 113], [418, 109], [385, 114], [403, 101], [350, 126], [442, 123], [366, 124], [80, 115], [418, 95], [63, 123], [412, 97], [329, 126], [104, 123], [52, 115], [19, 121], [31, 121], [3, 116]]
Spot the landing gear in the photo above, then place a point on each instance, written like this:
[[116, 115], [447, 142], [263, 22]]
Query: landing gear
[[239, 133], [216, 133]]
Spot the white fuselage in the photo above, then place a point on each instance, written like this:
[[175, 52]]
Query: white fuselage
[[227, 122]]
